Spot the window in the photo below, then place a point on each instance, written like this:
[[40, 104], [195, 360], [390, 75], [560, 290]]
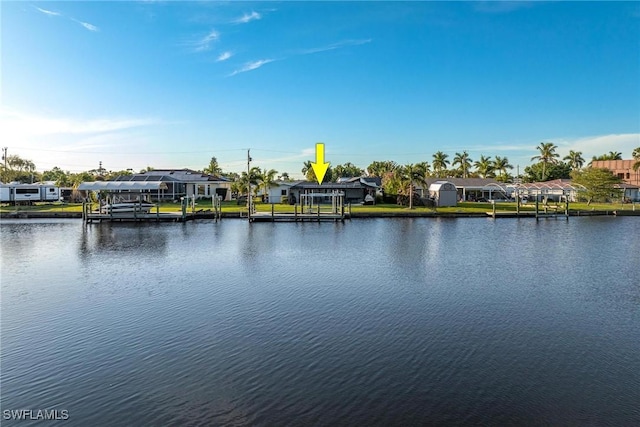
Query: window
[[628, 175], [52, 190], [26, 191], [283, 192], [621, 175]]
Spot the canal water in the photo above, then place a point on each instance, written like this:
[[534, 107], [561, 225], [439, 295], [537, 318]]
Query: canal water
[[370, 322]]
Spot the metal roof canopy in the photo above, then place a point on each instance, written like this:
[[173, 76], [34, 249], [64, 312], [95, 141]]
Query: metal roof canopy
[[333, 193], [549, 185], [122, 186]]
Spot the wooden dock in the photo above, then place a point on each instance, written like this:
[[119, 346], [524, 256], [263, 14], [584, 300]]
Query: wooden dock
[[295, 217], [310, 209], [149, 217], [134, 216], [545, 212], [90, 215]]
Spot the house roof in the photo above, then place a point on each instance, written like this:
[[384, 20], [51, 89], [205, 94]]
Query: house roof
[[626, 186], [172, 175], [367, 180], [468, 183], [286, 183], [555, 184], [312, 185], [122, 185], [373, 180]]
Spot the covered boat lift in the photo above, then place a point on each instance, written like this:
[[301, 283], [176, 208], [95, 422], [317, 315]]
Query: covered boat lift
[[132, 192], [129, 188]]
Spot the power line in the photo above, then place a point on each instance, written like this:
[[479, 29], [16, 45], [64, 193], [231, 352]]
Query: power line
[[129, 152]]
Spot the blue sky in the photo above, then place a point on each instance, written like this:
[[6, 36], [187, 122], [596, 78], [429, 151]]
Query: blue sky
[[171, 84]]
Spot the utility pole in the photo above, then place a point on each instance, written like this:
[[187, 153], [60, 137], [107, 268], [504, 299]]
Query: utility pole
[[249, 183], [4, 157]]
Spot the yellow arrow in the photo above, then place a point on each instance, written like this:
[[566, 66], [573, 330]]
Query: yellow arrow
[[320, 167]]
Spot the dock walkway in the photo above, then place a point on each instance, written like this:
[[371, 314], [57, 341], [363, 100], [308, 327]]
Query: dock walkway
[[294, 217]]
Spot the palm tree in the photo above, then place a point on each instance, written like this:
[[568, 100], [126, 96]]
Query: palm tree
[[574, 159], [611, 155], [307, 171], [464, 161], [213, 168], [237, 187], [636, 157], [484, 167], [347, 170], [310, 175], [252, 178], [266, 180], [284, 176], [380, 169], [16, 163], [426, 167], [410, 174], [440, 163], [501, 164], [547, 155]]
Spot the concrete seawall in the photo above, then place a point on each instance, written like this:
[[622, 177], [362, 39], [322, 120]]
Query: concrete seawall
[[356, 215]]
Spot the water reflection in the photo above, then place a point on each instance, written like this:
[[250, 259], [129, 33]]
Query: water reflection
[[122, 238], [505, 322]]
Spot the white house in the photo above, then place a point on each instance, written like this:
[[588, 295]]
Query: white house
[[279, 191], [184, 182]]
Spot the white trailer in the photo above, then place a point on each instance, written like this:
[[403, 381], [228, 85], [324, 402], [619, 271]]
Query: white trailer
[[29, 193]]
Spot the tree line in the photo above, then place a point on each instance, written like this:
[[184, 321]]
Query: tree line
[[396, 179]]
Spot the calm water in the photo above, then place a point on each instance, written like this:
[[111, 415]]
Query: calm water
[[371, 322]]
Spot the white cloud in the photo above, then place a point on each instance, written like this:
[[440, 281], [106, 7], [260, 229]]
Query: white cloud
[[334, 46], [72, 143], [600, 144], [496, 148], [254, 65], [47, 12], [257, 64], [289, 162], [17, 124], [205, 42], [248, 17], [86, 25], [224, 56]]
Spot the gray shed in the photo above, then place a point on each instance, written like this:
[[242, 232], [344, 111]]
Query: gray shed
[[443, 193]]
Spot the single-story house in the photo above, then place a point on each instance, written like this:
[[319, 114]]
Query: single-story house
[[555, 190], [469, 188], [355, 189], [128, 190], [183, 182], [279, 192], [558, 189], [631, 192]]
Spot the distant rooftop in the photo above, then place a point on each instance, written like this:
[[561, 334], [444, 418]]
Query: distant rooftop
[[176, 175]]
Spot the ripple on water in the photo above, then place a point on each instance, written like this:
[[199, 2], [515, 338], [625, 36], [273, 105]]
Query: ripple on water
[[369, 322]]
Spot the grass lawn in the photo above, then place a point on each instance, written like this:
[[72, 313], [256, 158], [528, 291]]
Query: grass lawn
[[463, 207]]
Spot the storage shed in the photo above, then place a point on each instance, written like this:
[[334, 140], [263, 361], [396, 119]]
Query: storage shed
[[443, 193]]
